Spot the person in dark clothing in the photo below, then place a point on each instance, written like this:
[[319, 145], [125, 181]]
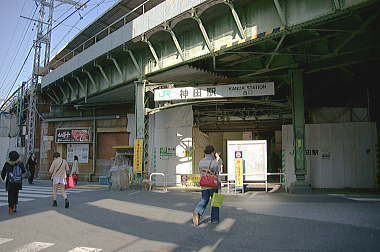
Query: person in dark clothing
[[31, 165], [11, 173]]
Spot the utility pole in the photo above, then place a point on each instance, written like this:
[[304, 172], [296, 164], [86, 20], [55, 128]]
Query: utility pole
[[41, 45]]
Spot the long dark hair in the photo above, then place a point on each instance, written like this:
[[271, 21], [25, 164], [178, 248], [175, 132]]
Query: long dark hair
[[76, 158]]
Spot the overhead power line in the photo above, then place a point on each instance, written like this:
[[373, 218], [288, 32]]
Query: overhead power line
[[18, 50], [76, 23], [31, 48]]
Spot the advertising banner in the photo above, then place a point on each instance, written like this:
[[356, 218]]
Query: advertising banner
[[211, 92], [239, 172], [138, 156], [190, 179], [73, 135]]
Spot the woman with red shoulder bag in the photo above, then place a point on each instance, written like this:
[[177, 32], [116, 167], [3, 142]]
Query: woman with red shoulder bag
[[209, 169]]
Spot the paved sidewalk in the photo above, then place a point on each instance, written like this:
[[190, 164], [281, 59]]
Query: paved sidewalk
[[161, 221]]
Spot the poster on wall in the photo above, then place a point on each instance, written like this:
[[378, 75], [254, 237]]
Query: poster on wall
[[254, 159], [73, 135], [80, 150]]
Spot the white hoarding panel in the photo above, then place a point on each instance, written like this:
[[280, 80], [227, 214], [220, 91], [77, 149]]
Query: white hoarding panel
[[338, 155], [211, 92], [254, 154], [172, 142]]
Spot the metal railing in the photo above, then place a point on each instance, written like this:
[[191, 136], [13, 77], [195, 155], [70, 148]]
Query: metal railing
[[228, 182], [158, 174], [122, 21]]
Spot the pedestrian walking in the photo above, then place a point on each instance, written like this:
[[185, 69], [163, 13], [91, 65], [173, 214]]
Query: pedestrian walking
[[12, 174], [207, 166], [31, 166], [218, 157], [58, 170], [75, 170]]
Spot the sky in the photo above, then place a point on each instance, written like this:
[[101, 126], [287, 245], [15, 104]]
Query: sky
[[17, 35]]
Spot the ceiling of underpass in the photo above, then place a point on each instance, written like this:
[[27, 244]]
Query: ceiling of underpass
[[339, 56]]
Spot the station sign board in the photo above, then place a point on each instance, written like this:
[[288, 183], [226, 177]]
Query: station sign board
[[212, 92], [73, 135]]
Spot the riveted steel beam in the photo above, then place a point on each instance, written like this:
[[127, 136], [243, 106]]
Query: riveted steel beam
[[176, 43], [116, 65], [236, 18], [280, 12], [55, 94], [63, 92], [103, 73], [52, 97], [275, 51], [91, 79], [82, 87], [133, 60], [71, 88], [354, 34], [203, 31], [336, 4], [80, 83], [152, 50]]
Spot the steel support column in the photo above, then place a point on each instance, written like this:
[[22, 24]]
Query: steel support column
[[140, 111], [236, 18], [298, 109]]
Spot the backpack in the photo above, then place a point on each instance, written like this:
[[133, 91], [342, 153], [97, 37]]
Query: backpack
[[15, 177]]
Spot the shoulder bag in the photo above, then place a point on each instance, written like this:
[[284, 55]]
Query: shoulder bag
[[209, 180]]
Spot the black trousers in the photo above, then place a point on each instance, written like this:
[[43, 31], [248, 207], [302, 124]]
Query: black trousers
[[13, 191], [31, 176]]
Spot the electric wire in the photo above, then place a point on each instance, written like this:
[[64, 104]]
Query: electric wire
[[31, 48], [76, 23], [11, 43]]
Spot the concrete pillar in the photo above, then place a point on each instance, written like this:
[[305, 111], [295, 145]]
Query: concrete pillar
[[298, 109]]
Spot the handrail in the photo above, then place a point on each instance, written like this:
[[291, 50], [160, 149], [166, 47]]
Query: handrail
[[82, 45], [161, 174]]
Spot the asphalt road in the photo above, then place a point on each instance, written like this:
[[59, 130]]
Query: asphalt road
[[103, 220]]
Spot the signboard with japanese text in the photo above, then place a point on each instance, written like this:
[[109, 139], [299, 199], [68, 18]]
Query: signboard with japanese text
[[167, 152], [254, 156], [73, 135], [190, 179], [238, 172], [138, 156], [211, 92]]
